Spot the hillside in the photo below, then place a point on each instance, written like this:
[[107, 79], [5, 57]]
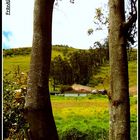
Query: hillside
[[21, 57], [104, 74], [11, 63], [56, 49]]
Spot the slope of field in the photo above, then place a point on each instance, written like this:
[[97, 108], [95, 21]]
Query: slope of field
[[10, 63], [104, 74], [23, 62], [90, 114]]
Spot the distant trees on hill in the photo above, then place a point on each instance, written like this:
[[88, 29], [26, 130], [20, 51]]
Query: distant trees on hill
[[98, 49], [27, 50], [78, 66], [61, 71], [16, 51], [74, 65]]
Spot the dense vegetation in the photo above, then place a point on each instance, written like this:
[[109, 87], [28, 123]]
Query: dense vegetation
[[75, 117], [27, 50], [68, 65], [71, 65]]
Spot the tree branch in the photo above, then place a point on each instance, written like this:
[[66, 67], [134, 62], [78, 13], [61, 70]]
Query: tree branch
[[127, 25]]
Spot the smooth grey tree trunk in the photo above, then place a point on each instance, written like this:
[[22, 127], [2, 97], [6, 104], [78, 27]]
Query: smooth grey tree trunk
[[119, 86], [37, 102]]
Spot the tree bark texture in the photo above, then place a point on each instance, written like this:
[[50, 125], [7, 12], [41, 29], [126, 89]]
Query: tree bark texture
[[119, 86], [37, 102]]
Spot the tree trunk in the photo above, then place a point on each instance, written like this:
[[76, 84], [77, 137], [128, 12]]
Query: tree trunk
[[119, 89], [37, 102]]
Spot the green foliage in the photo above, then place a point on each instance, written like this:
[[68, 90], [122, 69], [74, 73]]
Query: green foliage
[[61, 71], [100, 20], [96, 81], [16, 51], [86, 119], [132, 54], [69, 121], [87, 128], [132, 69], [57, 49], [104, 73], [64, 88], [72, 134], [133, 131], [12, 63], [85, 65], [82, 118], [22, 59], [89, 116], [133, 100], [14, 124], [79, 65], [78, 127], [90, 31]]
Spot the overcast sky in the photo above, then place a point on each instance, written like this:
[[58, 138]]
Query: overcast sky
[[70, 23]]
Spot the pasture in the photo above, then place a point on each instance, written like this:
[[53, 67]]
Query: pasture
[[12, 63], [88, 115], [84, 118]]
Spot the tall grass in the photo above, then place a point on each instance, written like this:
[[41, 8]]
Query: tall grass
[[82, 118], [87, 118], [104, 73]]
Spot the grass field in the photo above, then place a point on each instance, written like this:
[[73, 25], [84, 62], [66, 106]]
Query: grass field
[[84, 117], [89, 115], [23, 61], [11, 63], [132, 69]]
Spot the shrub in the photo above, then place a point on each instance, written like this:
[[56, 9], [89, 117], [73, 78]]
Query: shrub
[[14, 124], [73, 134], [64, 88], [94, 133], [97, 133]]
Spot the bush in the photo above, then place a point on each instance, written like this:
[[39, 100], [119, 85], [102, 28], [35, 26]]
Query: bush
[[73, 134], [95, 133], [96, 80], [14, 124], [64, 88], [16, 51]]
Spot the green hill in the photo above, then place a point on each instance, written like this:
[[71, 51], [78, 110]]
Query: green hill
[[15, 60], [21, 57], [104, 74]]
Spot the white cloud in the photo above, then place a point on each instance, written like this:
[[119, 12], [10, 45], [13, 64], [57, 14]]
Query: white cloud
[[70, 22], [19, 22]]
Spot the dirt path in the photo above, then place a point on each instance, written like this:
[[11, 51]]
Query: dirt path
[[132, 90], [78, 87]]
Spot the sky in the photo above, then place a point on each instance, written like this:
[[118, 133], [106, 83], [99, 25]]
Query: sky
[[70, 23]]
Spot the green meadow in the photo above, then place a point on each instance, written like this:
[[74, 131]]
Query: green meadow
[[12, 63], [88, 116], [104, 73], [23, 61], [83, 118]]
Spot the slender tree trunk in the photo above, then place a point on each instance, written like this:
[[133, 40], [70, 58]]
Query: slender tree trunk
[[119, 89], [37, 102]]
